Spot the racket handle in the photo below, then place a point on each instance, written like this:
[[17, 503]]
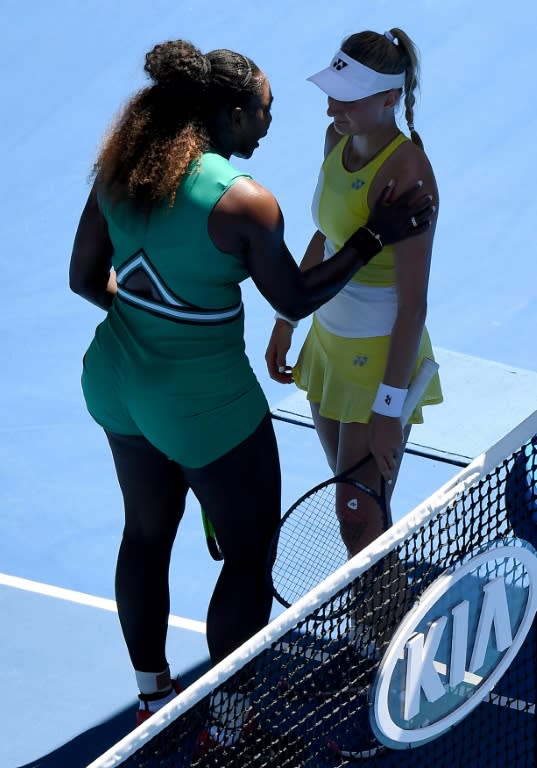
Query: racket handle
[[419, 384], [210, 537]]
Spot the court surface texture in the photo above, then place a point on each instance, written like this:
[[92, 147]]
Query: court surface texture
[[68, 692]]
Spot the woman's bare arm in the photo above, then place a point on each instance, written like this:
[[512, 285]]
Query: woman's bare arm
[[90, 273], [412, 265]]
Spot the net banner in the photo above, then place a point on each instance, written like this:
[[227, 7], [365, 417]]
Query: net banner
[[420, 649]]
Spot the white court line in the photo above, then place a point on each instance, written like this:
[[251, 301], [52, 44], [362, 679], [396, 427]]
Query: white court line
[[89, 600]]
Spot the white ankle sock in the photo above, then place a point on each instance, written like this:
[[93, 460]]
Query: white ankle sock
[[154, 706], [153, 682]]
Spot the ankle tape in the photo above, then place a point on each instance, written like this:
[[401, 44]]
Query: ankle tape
[[146, 697]]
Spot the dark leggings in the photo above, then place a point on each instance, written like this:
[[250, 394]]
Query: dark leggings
[[240, 493]]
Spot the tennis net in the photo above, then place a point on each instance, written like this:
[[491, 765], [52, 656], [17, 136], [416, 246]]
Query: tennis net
[[420, 648]]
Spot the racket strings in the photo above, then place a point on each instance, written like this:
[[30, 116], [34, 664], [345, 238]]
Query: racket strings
[[318, 535]]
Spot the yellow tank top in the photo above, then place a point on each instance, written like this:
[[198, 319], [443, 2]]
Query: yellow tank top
[[340, 206]]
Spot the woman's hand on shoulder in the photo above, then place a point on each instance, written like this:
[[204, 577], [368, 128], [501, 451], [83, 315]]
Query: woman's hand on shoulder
[[394, 218], [404, 197]]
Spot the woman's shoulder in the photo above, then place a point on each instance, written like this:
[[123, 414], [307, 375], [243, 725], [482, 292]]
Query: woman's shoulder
[[407, 164], [408, 155], [248, 198]]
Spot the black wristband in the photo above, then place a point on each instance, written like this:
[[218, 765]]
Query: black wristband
[[366, 243]]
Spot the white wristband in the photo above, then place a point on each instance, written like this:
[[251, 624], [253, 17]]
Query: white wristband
[[389, 401], [279, 316]]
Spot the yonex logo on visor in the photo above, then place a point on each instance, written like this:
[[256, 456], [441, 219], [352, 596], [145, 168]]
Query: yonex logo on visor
[[339, 63], [348, 80]]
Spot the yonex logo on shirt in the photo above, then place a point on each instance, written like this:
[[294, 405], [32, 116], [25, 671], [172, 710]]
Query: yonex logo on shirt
[[357, 184], [339, 64]]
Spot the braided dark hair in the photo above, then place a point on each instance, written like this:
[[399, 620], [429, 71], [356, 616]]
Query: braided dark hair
[[234, 77], [380, 53], [178, 65], [164, 128]]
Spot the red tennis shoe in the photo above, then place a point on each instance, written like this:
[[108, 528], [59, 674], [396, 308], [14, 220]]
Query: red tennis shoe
[[144, 713]]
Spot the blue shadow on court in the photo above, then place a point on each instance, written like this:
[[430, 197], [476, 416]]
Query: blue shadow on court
[[88, 746]]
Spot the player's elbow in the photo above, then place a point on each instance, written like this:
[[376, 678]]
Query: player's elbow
[[413, 313], [79, 284], [84, 285], [290, 311], [76, 284], [421, 312], [295, 305]]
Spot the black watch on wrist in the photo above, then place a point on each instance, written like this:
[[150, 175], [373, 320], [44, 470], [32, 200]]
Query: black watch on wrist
[[363, 240]]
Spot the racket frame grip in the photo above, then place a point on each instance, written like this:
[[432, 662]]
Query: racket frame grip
[[210, 537], [428, 368]]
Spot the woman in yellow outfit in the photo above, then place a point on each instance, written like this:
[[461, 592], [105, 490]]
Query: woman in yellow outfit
[[365, 344]]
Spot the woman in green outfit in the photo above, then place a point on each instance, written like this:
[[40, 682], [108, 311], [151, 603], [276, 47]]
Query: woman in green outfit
[[166, 374]]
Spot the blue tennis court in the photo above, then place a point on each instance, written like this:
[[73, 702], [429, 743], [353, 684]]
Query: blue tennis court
[[68, 689]]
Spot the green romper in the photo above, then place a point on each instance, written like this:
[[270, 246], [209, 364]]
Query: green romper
[[170, 363]]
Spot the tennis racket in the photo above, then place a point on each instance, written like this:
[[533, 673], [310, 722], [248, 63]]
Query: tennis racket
[[210, 537], [308, 545]]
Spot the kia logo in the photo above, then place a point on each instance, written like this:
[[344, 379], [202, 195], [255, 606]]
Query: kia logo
[[451, 649]]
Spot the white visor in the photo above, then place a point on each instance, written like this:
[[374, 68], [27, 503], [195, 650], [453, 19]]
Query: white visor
[[348, 80]]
